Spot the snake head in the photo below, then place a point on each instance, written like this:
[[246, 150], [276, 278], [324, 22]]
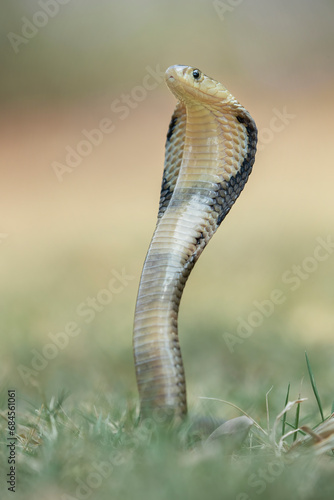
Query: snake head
[[192, 86]]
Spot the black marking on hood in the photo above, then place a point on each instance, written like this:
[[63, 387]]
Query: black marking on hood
[[165, 196], [228, 192], [171, 128]]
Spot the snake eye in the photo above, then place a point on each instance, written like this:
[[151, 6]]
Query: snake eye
[[196, 74]]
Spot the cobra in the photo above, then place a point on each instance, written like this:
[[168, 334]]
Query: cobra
[[209, 154]]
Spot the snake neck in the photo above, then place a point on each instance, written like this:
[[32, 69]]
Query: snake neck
[[206, 187]]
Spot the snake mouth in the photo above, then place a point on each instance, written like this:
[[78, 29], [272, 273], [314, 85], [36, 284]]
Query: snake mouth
[[175, 75]]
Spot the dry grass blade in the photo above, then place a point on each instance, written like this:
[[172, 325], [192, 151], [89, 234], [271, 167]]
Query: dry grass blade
[[290, 433], [321, 438], [267, 408], [237, 408]]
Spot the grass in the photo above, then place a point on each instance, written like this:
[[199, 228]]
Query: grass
[[98, 448]]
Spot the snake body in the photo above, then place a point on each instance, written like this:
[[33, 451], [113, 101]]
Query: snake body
[[210, 151]]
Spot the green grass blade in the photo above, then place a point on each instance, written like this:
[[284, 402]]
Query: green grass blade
[[297, 420], [284, 416], [314, 387]]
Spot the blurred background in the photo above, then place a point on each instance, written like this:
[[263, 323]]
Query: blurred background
[[84, 118]]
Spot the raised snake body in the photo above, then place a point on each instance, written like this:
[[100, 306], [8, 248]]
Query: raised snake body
[[210, 151]]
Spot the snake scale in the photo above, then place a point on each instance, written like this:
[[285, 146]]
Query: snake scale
[[209, 154]]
